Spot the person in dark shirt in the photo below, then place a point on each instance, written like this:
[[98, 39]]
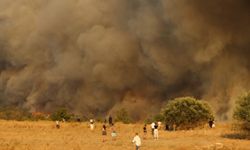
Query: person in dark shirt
[[167, 128], [110, 120], [145, 131], [104, 132], [156, 132], [211, 124]]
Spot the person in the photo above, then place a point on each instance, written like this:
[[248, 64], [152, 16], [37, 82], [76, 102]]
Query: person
[[174, 127], [104, 132], [137, 141], [152, 128], [159, 125], [167, 128], [110, 120], [57, 124], [211, 124], [113, 134], [156, 132], [92, 126], [145, 131]]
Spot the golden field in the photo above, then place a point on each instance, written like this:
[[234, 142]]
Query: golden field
[[42, 135]]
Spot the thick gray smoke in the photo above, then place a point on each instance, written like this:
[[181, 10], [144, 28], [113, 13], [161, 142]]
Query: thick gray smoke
[[97, 56]]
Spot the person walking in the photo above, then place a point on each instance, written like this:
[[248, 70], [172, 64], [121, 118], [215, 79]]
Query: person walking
[[137, 141]]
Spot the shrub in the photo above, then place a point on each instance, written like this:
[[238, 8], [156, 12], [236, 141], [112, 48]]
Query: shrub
[[242, 111], [187, 112], [122, 116], [61, 114]]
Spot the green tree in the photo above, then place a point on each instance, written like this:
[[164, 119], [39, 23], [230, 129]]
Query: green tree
[[242, 111], [187, 112]]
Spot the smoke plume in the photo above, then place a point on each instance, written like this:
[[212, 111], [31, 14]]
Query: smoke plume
[[95, 57]]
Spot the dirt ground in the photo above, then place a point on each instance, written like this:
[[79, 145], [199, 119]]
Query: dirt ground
[[42, 135]]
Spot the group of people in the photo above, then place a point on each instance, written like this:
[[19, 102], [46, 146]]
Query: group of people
[[136, 140], [155, 129], [155, 126], [104, 128], [113, 131]]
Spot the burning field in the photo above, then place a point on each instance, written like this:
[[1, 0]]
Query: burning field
[[43, 135]]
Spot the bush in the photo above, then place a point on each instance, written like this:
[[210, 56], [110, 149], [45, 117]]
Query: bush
[[61, 114], [187, 112], [122, 116], [242, 111]]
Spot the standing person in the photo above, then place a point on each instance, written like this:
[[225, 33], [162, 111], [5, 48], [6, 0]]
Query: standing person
[[167, 128], [110, 120], [159, 125], [211, 124], [145, 131], [156, 132], [152, 128], [92, 126], [104, 132], [137, 141], [174, 127], [57, 124], [113, 134]]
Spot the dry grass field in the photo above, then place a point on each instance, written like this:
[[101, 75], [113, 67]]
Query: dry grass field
[[43, 135]]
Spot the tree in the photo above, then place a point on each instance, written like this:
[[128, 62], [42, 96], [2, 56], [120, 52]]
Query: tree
[[242, 111], [187, 112], [61, 114]]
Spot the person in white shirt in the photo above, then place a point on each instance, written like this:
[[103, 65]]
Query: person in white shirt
[[57, 124], [137, 141], [152, 128], [159, 125], [92, 126], [156, 132]]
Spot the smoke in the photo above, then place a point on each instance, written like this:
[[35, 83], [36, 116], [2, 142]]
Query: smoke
[[95, 57]]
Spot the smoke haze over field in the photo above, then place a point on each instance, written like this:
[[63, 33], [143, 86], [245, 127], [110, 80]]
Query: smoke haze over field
[[96, 56]]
